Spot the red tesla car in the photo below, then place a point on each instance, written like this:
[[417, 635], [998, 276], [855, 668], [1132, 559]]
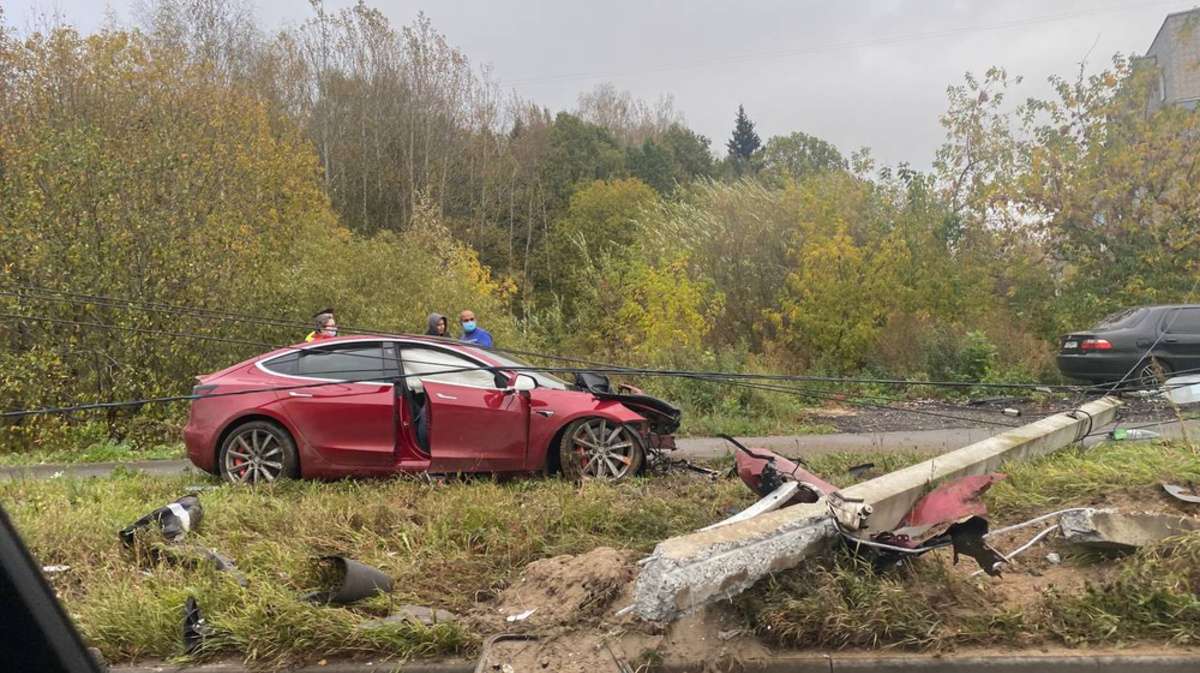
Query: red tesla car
[[338, 408]]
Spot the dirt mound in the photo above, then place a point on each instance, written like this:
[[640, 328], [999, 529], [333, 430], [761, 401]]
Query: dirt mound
[[569, 590], [574, 626]]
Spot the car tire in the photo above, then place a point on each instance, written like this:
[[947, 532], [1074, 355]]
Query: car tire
[[258, 452], [597, 448]]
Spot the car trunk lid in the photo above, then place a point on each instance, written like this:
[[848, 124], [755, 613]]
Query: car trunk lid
[[1073, 343]]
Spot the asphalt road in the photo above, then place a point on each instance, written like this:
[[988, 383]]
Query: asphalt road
[[696, 448]]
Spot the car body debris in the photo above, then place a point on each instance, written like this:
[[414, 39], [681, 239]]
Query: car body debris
[[354, 582], [195, 629], [208, 555], [950, 515], [1180, 493], [1110, 529], [175, 518]]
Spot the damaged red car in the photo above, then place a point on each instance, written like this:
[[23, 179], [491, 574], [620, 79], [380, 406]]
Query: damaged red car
[[365, 406]]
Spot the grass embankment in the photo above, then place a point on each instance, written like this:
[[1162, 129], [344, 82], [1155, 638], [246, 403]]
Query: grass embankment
[[95, 453], [456, 546], [450, 546], [926, 604]]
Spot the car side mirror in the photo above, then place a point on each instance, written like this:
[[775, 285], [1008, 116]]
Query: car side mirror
[[524, 383]]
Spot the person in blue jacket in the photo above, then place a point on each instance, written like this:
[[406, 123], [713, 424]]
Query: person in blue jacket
[[473, 333]]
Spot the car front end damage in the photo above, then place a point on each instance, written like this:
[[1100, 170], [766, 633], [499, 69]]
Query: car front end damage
[[662, 419]]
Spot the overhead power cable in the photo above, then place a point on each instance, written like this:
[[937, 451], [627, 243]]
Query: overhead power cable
[[830, 46], [127, 304]]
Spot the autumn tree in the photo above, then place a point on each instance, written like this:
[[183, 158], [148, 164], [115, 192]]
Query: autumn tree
[[798, 155]]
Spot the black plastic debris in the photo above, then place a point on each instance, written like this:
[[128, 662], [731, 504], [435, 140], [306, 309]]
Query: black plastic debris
[[195, 629], [357, 581], [859, 470], [208, 555], [967, 540], [176, 519]]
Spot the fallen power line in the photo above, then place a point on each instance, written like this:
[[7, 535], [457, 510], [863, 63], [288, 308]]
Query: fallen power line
[[133, 305]]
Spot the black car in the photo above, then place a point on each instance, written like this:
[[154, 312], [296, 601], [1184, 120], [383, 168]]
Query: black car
[[1130, 343]]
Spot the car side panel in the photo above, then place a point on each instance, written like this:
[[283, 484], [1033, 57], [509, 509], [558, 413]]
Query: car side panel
[[565, 406]]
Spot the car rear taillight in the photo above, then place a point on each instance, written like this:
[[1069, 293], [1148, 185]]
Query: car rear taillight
[[1095, 345], [204, 389]]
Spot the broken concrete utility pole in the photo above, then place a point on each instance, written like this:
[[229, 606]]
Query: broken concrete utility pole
[[687, 572]]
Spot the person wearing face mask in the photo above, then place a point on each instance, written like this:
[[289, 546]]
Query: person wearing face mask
[[473, 333], [326, 326]]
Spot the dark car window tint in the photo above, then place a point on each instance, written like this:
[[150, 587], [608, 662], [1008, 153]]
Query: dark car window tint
[[1186, 321], [361, 362], [288, 365], [1122, 319]]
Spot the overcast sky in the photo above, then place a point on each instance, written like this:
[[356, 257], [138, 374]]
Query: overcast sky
[[855, 72]]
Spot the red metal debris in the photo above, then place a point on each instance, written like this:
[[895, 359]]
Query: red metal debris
[[752, 471], [952, 501]]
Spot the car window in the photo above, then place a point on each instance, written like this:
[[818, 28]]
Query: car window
[[1122, 319], [288, 365], [348, 362], [543, 379], [1184, 321], [438, 365]]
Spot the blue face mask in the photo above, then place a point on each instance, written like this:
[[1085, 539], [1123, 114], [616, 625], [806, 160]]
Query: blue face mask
[[469, 326]]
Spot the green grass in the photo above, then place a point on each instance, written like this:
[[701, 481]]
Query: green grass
[[450, 546], [839, 601], [95, 453], [457, 546], [1075, 474]]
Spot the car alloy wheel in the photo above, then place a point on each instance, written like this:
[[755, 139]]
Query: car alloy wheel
[[1151, 375], [254, 455], [600, 449]]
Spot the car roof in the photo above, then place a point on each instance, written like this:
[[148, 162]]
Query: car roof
[[465, 349]]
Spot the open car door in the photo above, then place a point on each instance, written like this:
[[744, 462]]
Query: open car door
[[470, 424]]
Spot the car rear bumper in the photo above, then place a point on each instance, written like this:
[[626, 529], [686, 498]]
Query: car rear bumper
[[1096, 367], [200, 447]]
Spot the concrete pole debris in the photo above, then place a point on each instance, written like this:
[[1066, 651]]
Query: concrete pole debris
[[688, 572], [1109, 529]]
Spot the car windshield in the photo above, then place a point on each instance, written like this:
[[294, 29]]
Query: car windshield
[[543, 379], [1123, 318]]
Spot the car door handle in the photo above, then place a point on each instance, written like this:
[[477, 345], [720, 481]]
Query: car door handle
[[296, 394], [446, 397], [1171, 340]]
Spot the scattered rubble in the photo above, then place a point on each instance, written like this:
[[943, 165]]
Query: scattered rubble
[[1110, 529], [412, 614]]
